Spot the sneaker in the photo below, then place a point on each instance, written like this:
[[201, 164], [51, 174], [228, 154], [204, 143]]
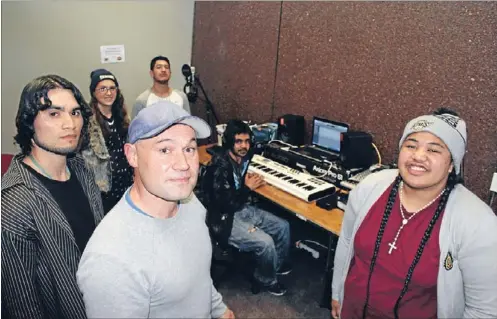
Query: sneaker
[[276, 289], [285, 269]]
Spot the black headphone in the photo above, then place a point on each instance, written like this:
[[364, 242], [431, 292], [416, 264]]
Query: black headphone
[[233, 128]]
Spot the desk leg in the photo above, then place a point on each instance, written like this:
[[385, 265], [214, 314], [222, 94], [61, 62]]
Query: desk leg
[[328, 272]]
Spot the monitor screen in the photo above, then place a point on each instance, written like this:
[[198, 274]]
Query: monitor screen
[[327, 134]]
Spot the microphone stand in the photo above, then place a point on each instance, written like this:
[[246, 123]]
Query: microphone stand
[[212, 118]]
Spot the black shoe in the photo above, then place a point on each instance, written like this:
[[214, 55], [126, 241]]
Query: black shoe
[[276, 289], [285, 269]]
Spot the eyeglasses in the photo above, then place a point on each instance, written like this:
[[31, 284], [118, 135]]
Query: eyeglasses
[[105, 89]]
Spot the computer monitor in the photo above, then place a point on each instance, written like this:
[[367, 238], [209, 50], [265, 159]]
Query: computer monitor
[[327, 133]]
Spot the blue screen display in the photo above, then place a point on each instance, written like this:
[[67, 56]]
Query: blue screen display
[[328, 134]]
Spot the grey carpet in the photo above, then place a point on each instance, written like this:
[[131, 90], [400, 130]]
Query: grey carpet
[[305, 288]]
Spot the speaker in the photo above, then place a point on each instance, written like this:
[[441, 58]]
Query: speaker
[[356, 149], [291, 129]]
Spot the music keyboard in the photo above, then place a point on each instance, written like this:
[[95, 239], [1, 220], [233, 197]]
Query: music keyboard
[[353, 181], [299, 184]]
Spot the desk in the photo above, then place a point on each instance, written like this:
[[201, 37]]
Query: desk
[[329, 220]]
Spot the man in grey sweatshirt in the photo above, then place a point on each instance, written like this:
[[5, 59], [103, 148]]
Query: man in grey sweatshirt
[[150, 256]]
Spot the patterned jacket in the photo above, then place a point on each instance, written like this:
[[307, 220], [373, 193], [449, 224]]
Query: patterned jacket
[[97, 156], [39, 252]]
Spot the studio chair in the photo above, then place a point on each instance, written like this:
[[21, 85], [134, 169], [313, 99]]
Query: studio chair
[[6, 159], [231, 260]]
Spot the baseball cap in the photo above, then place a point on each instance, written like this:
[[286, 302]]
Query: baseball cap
[[158, 117]]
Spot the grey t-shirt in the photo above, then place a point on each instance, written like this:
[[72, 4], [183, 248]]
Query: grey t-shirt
[[137, 266]]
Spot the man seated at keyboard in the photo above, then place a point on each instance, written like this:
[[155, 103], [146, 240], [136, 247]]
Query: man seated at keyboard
[[232, 220]]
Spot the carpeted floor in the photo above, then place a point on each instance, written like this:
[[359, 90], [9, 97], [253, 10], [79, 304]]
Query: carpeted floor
[[305, 288], [304, 283]]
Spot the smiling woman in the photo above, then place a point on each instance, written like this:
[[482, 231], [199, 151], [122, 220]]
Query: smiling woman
[[414, 241], [425, 162], [108, 131]]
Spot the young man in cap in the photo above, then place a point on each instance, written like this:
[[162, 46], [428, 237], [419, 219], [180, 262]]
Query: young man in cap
[[416, 243], [160, 72], [50, 204], [150, 257]]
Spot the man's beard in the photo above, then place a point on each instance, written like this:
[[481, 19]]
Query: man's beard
[[239, 154], [56, 150], [163, 82]]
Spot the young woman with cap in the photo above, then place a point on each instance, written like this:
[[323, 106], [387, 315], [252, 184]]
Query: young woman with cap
[[416, 243], [107, 135]]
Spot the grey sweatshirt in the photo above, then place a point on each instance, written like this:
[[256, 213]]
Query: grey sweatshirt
[[142, 102], [467, 285], [137, 266]]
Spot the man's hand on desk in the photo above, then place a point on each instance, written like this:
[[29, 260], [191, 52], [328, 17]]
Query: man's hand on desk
[[254, 181]]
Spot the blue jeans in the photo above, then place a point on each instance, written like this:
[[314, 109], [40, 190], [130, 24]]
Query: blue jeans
[[270, 241]]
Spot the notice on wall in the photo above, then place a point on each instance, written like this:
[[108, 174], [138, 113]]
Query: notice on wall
[[493, 186], [112, 53]]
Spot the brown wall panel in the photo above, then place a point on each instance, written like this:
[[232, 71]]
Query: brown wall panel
[[374, 65], [377, 65], [234, 52]]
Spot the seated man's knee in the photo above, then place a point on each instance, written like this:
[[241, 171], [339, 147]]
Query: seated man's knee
[[284, 227], [266, 245], [285, 224]]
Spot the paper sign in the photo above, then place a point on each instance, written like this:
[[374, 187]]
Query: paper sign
[[493, 186], [111, 53]]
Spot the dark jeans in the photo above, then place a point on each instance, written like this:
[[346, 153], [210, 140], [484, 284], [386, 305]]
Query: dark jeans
[[270, 241]]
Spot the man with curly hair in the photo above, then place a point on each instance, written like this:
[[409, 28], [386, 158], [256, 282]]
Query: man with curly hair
[[50, 203]]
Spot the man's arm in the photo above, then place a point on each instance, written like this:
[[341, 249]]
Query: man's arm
[[218, 306], [186, 103], [20, 295], [111, 288], [140, 103], [137, 107]]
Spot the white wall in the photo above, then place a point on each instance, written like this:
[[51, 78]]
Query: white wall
[[64, 38]]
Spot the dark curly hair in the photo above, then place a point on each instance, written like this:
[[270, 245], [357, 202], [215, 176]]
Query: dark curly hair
[[233, 128], [31, 103], [445, 110], [119, 113]]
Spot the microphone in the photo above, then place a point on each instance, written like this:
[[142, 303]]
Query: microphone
[[187, 71], [189, 88]]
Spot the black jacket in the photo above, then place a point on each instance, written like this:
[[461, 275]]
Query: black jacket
[[40, 256], [220, 196]]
